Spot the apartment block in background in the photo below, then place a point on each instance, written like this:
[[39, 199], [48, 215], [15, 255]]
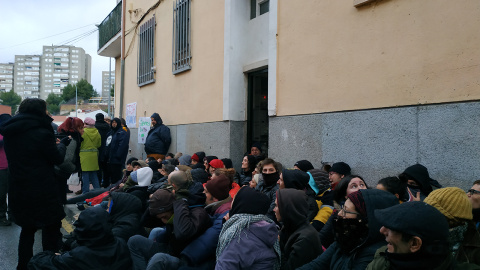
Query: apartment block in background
[[27, 76], [106, 83], [6, 77], [63, 65]]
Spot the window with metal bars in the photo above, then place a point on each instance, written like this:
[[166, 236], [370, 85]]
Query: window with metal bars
[[146, 55], [181, 51]]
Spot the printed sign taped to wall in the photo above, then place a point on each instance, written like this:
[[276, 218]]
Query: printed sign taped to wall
[[131, 115], [143, 128]]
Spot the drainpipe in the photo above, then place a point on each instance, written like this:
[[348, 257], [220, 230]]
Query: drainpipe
[[122, 62]]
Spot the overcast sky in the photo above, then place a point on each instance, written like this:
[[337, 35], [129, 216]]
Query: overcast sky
[[27, 25]]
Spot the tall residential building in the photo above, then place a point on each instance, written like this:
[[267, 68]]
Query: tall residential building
[[106, 83], [27, 76], [63, 65], [6, 77]]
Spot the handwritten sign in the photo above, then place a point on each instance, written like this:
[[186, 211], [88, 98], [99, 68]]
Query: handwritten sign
[[131, 115], [143, 128]]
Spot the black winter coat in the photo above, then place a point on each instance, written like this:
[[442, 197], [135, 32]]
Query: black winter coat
[[34, 194], [117, 146], [158, 139], [125, 215], [103, 128]]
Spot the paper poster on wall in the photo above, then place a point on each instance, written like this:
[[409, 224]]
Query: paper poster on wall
[[143, 128], [131, 115]]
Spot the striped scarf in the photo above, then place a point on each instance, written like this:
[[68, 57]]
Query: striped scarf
[[234, 226]]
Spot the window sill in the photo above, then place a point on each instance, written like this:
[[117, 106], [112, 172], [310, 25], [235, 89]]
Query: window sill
[[182, 69]]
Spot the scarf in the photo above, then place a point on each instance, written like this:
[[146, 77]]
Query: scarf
[[234, 226], [456, 236]]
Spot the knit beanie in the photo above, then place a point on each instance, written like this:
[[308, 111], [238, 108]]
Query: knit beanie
[[89, 121], [185, 160], [304, 165], [99, 116], [452, 202], [219, 187], [341, 168], [161, 202], [216, 163], [357, 199], [195, 157], [130, 160]]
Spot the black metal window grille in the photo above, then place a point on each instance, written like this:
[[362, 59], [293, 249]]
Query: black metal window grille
[[146, 54], [181, 47]]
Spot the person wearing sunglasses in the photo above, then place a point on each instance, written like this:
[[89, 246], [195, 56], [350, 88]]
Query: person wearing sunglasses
[[474, 196]]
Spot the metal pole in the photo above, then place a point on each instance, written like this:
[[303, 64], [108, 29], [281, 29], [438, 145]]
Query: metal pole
[[110, 84], [76, 102]]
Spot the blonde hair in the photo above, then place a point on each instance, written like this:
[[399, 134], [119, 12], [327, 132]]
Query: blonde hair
[[229, 173]]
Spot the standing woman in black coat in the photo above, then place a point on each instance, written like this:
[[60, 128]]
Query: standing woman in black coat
[[32, 197]]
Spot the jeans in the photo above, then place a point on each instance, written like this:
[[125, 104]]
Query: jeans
[[87, 179], [142, 249], [3, 193], [158, 235], [162, 261], [51, 238]]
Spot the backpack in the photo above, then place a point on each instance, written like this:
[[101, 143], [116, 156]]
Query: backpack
[[69, 161]]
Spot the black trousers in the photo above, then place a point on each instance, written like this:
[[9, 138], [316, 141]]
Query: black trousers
[[114, 174], [51, 238]]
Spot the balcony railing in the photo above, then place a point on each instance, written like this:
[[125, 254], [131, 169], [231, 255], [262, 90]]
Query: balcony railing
[[110, 26]]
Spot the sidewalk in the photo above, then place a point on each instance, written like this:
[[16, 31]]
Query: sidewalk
[[71, 211]]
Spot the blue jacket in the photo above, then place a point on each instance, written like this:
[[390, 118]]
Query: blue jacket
[[117, 146], [158, 138]]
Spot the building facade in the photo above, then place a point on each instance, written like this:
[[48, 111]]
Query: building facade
[[63, 65], [27, 76], [108, 80], [381, 85], [6, 77]]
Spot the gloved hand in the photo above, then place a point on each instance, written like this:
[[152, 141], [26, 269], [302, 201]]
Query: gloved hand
[[66, 141], [182, 194]]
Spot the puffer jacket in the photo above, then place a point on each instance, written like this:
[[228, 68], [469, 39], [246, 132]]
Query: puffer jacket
[[363, 254], [158, 138], [125, 214]]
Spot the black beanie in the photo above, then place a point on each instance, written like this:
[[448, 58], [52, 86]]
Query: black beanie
[[130, 160], [341, 168], [250, 201], [304, 165], [99, 116]]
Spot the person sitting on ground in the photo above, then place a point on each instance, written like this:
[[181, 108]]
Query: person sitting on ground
[[357, 232], [189, 221], [347, 186], [185, 160], [200, 253], [165, 171], [270, 175], [474, 196], [249, 163], [395, 186], [199, 175], [297, 179], [464, 239], [337, 172], [417, 237], [155, 166], [299, 240], [306, 166], [249, 239], [141, 177], [197, 160], [256, 175], [97, 247], [229, 173], [419, 183]]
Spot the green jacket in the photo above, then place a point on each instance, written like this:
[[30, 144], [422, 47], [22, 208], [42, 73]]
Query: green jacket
[[89, 149], [381, 262]]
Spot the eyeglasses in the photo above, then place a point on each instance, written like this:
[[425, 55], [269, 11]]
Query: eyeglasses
[[473, 191], [344, 212]]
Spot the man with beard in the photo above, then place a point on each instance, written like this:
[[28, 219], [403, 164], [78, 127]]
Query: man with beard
[[158, 138]]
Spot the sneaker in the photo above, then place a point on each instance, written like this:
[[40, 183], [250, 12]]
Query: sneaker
[[69, 191], [5, 222], [78, 192]]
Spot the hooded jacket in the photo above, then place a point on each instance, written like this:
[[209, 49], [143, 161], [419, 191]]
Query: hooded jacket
[[125, 213], [158, 138], [97, 247], [299, 240], [103, 129], [117, 144], [34, 196], [299, 180], [89, 149], [363, 254], [420, 174]]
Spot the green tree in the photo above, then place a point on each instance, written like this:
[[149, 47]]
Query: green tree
[[53, 103], [85, 91], [112, 90], [11, 99]]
